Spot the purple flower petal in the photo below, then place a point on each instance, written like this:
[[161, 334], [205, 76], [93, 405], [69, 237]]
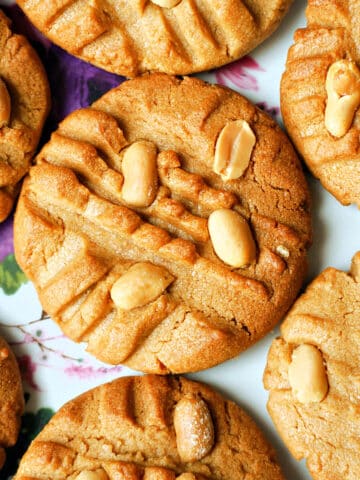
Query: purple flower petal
[[75, 83], [251, 63], [88, 371], [236, 73], [27, 370], [6, 239]]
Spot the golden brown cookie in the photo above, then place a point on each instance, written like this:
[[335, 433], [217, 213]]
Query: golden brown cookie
[[24, 104], [11, 399], [313, 374], [112, 225], [153, 428], [320, 95], [130, 37]]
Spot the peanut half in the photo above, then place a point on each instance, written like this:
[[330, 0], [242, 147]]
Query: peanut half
[[166, 3], [233, 149], [231, 237], [307, 374], [4, 354], [5, 104], [355, 267], [92, 475], [343, 96], [282, 251], [140, 285], [140, 174], [194, 429]]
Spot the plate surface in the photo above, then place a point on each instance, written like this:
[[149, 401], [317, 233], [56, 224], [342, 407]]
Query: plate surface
[[55, 369]]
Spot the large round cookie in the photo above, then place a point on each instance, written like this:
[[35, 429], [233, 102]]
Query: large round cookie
[[112, 225], [11, 399], [320, 95], [313, 374], [153, 428], [24, 104], [130, 37]]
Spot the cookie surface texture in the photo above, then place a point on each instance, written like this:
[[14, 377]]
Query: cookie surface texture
[[154, 428], [320, 95], [312, 374], [112, 225], [11, 399], [24, 103], [130, 37]]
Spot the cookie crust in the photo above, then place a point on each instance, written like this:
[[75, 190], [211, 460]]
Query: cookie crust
[[126, 428], [131, 37], [326, 433], [331, 35], [26, 83], [75, 243], [11, 399]]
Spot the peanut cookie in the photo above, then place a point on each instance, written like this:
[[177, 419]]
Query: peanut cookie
[[130, 37], [24, 104], [11, 399], [313, 376], [320, 95], [166, 226], [153, 428]]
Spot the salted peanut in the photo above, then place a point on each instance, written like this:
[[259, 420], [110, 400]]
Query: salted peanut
[[140, 285], [343, 96], [166, 3], [233, 149], [4, 353], [92, 475], [282, 251], [355, 267], [186, 476], [194, 429], [231, 237], [307, 374], [5, 104], [140, 174]]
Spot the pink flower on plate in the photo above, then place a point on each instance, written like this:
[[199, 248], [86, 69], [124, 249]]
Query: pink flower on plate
[[27, 370], [87, 371], [237, 74]]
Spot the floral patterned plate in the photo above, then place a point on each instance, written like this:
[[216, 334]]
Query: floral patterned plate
[[55, 369]]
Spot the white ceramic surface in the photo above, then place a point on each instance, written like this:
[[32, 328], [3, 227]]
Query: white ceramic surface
[[54, 373]]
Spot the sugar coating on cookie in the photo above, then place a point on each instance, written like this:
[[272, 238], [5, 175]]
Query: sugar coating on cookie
[[138, 428], [24, 104], [11, 399], [130, 37], [312, 374], [320, 96], [140, 247]]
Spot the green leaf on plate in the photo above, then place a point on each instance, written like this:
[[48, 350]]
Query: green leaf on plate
[[32, 423], [11, 277]]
